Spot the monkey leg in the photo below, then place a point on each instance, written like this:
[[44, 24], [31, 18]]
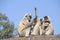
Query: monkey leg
[[35, 30], [49, 32], [27, 31]]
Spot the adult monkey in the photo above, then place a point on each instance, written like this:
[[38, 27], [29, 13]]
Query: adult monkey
[[35, 18], [24, 25], [47, 26], [35, 24]]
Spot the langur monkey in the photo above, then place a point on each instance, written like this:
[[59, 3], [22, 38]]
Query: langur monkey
[[24, 25], [35, 24], [47, 26], [36, 30]]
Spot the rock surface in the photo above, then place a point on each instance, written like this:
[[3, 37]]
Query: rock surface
[[42, 37]]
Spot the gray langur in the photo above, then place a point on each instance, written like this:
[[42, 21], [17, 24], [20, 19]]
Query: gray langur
[[36, 30], [47, 26], [24, 25]]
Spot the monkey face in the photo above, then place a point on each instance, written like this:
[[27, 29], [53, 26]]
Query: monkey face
[[45, 24], [46, 21], [28, 16]]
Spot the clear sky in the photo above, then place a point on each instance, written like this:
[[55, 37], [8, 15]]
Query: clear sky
[[15, 10]]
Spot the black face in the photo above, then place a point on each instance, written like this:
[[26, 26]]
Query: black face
[[45, 18], [45, 27], [47, 22]]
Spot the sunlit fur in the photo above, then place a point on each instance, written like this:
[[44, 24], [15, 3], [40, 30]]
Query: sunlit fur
[[36, 29], [24, 25], [47, 26]]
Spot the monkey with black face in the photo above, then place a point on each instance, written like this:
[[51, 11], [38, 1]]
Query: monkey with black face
[[24, 25], [37, 30], [47, 26]]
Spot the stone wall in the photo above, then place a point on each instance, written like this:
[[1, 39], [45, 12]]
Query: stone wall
[[44, 37]]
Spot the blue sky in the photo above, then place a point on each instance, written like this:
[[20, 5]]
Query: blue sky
[[15, 10]]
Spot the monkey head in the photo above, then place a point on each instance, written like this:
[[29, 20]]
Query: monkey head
[[28, 16], [46, 18], [46, 21]]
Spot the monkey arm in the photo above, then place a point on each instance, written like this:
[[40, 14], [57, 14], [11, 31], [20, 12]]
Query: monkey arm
[[25, 26], [22, 26], [42, 32]]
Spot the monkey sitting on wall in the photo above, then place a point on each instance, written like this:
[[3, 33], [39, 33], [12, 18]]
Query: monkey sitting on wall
[[24, 25], [36, 28], [47, 26]]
